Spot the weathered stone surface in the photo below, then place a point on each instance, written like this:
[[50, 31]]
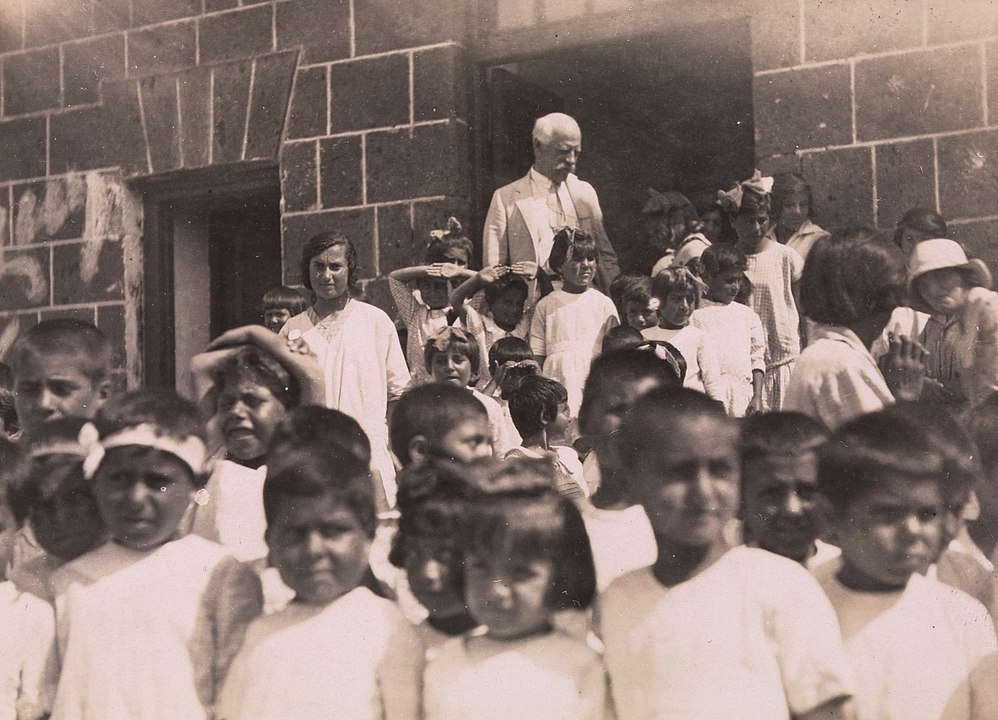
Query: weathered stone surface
[[272, 80], [980, 239], [905, 178], [83, 314], [968, 174], [321, 27], [22, 147], [965, 20], [369, 93], [383, 25], [773, 165], [512, 14], [440, 84], [775, 34], [147, 12], [919, 93], [834, 30], [162, 49], [91, 271], [377, 293], [5, 221], [159, 107], [31, 81], [432, 215], [341, 173], [991, 62], [50, 210], [397, 246], [218, 5], [111, 15], [47, 23], [426, 161], [24, 279], [87, 63], [842, 183], [236, 35], [230, 100], [802, 109], [195, 114], [357, 224], [298, 176], [309, 104], [11, 25]]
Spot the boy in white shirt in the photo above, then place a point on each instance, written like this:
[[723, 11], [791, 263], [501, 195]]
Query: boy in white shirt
[[711, 631], [920, 649]]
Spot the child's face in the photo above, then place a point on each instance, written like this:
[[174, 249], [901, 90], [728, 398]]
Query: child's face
[[319, 547], [891, 533], [724, 286], [451, 367], [142, 494], [466, 442], [433, 569], [507, 310], [329, 273], [47, 387], [780, 503], [435, 292], [557, 429], [641, 315], [578, 270], [711, 222], [509, 595], [752, 227], [67, 522], [456, 256], [274, 318], [795, 210], [688, 484], [250, 414], [678, 307], [609, 409], [944, 290]]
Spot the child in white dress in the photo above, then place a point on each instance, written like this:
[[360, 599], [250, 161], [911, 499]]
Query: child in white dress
[[678, 292], [792, 213], [356, 343], [735, 329], [527, 557], [919, 648], [149, 622], [337, 650], [774, 271], [567, 329]]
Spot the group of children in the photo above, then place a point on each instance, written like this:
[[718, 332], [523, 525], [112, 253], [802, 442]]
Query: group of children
[[545, 510]]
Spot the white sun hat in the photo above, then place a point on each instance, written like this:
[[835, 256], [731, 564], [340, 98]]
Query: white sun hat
[[940, 253]]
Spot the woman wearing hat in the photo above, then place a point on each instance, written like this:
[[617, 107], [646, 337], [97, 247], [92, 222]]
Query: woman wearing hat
[[961, 335]]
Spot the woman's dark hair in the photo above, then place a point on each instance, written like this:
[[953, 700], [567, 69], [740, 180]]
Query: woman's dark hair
[[318, 244], [850, 275], [785, 184]]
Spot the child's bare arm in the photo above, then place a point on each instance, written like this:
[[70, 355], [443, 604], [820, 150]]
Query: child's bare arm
[[904, 367], [410, 274], [474, 283], [758, 378]]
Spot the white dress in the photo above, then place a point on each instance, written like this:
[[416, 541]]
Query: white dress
[[703, 365], [356, 658], [927, 651], [752, 637], [736, 334], [28, 666], [567, 329], [361, 357], [149, 635], [553, 676]]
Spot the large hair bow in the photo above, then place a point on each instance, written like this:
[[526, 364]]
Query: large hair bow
[[731, 200]]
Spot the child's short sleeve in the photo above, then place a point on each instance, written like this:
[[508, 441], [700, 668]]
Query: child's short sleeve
[[39, 670], [796, 264], [405, 301], [805, 631], [538, 345]]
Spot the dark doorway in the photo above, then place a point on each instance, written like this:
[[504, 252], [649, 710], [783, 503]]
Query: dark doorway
[[670, 110], [212, 248]]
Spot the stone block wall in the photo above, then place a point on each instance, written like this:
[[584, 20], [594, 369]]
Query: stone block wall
[[884, 105], [362, 103]]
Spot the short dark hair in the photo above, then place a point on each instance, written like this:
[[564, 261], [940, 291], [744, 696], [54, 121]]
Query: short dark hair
[[259, 368], [318, 470], [318, 244], [313, 425], [452, 339], [721, 257], [431, 500], [533, 396], [922, 219], [82, 341], [509, 349], [783, 185], [621, 366], [781, 433], [673, 280], [510, 282], [646, 425], [282, 297], [630, 287], [621, 337], [850, 275], [577, 241], [518, 513], [865, 452], [430, 410]]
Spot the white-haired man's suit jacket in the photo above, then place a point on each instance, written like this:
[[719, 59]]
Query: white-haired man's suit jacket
[[515, 218]]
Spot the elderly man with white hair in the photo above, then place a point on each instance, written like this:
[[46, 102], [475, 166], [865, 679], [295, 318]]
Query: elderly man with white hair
[[525, 215]]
